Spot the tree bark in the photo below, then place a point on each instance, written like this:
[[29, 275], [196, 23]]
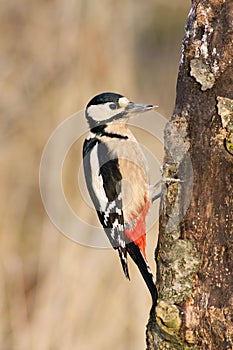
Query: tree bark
[[194, 254]]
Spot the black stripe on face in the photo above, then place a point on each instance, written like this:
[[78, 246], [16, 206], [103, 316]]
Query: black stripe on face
[[95, 124], [99, 129]]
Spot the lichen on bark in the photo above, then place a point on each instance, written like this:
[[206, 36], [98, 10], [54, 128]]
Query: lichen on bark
[[225, 110]]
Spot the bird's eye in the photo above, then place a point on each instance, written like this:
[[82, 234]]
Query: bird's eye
[[113, 106]]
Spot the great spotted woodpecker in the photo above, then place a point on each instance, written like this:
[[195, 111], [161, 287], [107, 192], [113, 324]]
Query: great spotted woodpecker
[[117, 178]]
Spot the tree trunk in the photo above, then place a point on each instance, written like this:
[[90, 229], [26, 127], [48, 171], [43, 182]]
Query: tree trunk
[[194, 254]]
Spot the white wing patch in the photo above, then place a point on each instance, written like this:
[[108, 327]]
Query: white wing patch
[[97, 180]]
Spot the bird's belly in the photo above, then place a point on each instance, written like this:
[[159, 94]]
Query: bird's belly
[[134, 188]]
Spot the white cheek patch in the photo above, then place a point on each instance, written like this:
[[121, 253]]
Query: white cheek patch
[[102, 112]]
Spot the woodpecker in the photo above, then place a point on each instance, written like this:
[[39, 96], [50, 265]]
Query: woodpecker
[[117, 179]]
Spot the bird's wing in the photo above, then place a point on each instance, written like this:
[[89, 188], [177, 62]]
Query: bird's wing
[[113, 222], [103, 180]]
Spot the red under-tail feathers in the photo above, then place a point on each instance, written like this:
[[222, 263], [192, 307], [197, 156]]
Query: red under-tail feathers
[[138, 232]]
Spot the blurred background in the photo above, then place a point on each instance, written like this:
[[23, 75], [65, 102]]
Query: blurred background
[[55, 55]]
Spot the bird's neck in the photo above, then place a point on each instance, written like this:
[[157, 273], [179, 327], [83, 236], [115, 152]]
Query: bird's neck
[[116, 129]]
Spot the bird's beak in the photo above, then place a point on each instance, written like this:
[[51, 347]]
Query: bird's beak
[[134, 108]]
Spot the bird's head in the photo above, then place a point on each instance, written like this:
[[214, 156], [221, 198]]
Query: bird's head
[[110, 107]]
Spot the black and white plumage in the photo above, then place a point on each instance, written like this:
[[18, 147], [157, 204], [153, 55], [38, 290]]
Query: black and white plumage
[[117, 178]]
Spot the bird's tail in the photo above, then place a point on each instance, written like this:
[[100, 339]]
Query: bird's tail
[[123, 258], [144, 268]]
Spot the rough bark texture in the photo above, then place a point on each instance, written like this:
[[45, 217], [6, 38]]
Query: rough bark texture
[[194, 255]]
